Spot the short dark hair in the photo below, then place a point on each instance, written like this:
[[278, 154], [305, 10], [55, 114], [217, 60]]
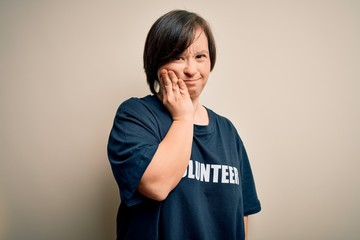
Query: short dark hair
[[170, 36]]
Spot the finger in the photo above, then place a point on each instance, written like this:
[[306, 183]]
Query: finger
[[175, 81], [182, 87], [166, 82], [173, 77], [161, 84]]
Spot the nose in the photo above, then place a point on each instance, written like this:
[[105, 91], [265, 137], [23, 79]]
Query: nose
[[190, 68]]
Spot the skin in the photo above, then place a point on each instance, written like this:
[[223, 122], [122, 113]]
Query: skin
[[181, 84], [193, 68], [246, 224]]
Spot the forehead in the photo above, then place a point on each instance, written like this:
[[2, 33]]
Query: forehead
[[200, 42]]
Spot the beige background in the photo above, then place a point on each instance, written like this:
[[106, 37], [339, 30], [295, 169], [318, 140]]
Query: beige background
[[287, 75]]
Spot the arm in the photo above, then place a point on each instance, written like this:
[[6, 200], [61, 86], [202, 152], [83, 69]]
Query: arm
[[246, 221], [173, 154]]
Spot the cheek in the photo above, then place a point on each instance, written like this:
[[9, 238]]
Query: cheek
[[205, 69], [171, 67]]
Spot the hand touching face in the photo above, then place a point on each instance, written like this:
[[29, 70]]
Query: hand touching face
[[175, 96], [192, 66]]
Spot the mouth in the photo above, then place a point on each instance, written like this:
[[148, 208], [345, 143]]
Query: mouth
[[191, 80]]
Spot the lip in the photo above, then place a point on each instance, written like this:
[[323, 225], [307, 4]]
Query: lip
[[191, 80]]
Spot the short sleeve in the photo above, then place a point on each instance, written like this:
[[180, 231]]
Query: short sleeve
[[132, 144], [251, 203]]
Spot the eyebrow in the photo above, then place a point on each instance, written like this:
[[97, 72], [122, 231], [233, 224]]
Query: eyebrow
[[203, 51], [199, 52]]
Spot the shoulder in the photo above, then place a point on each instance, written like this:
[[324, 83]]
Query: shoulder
[[221, 120], [146, 111], [225, 126], [135, 105]]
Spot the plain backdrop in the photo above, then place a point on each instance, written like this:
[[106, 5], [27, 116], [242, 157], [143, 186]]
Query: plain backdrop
[[287, 75]]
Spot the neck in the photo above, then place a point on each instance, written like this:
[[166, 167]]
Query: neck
[[201, 115]]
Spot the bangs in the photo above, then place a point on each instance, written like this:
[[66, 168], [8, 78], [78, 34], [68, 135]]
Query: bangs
[[180, 40], [169, 37]]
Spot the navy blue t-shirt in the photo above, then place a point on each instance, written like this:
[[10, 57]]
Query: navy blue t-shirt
[[210, 201]]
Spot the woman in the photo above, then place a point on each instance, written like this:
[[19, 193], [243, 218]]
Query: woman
[[182, 169]]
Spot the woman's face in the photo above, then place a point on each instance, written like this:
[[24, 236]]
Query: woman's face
[[193, 65]]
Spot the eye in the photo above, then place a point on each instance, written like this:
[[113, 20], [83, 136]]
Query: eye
[[179, 58], [201, 57]]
